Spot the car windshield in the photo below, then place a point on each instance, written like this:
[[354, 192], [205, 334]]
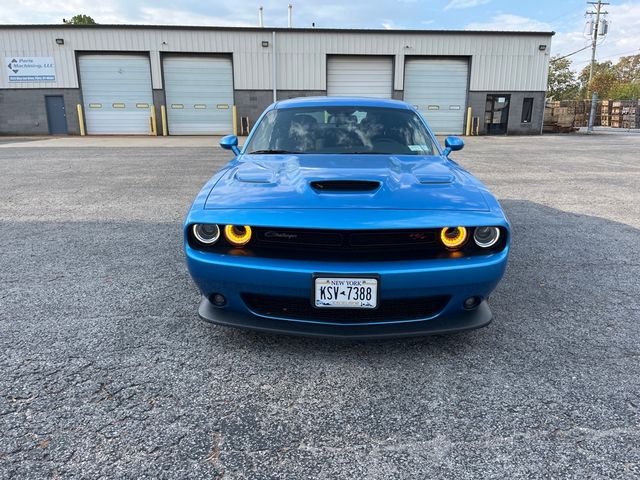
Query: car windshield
[[341, 130]]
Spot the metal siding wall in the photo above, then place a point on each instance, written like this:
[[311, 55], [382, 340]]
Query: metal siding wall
[[507, 62], [38, 44]]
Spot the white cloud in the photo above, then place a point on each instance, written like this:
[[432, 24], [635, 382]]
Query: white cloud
[[164, 16], [161, 12], [465, 3], [391, 25], [623, 38], [334, 13], [508, 22]]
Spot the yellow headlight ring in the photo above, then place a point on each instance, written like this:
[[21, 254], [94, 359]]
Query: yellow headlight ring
[[237, 235], [453, 237]]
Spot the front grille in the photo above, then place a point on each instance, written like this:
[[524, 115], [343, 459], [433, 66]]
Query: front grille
[[348, 245], [299, 308], [345, 239]]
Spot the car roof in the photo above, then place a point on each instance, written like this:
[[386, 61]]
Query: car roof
[[341, 102]]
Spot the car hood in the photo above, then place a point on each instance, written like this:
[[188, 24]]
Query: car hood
[[344, 182]]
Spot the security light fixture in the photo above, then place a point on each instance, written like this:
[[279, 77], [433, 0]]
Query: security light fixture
[[542, 48], [265, 43], [60, 41]]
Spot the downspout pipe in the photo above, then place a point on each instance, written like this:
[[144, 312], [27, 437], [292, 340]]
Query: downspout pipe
[[274, 66]]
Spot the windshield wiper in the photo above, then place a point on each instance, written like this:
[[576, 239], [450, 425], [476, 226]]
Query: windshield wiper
[[257, 152]]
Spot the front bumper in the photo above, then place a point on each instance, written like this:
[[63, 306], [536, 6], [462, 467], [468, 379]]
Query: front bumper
[[464, 320], [458, 279]]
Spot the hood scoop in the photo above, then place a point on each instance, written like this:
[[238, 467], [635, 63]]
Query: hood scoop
[[255, 173], [344, 186]]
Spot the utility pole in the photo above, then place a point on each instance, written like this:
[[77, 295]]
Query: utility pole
[[594, 44]]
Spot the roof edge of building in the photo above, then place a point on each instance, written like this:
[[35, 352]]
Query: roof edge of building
[[271, 29]]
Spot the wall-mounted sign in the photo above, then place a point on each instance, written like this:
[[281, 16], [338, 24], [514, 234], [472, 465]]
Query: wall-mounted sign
[[29, 69]]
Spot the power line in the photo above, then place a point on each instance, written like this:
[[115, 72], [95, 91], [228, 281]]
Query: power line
[[569, 54], [568, 12], [613, 55]]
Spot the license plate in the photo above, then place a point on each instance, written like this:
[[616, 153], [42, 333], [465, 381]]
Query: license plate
[[342, 292]]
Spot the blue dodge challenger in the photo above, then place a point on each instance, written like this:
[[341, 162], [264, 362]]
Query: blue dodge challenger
[[345, 217]]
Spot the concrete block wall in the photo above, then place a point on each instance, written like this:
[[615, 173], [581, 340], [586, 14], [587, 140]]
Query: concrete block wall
[[24, 111], [251, 103], [477, 102]]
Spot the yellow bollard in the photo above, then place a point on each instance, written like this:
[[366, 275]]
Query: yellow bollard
[[81, 119], [234, 114], [163, 114], [154, 127], [469, 118]]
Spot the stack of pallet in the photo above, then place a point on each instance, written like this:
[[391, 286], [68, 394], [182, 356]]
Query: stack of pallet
[[616, 113], [559, 117], [565, 116], [582, 110], [631, 115], [605, 113], [569, 115]]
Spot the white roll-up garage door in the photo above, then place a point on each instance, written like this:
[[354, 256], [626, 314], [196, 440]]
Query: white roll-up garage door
[[438, 88], [199, 92], [116, 91], [359, 76]]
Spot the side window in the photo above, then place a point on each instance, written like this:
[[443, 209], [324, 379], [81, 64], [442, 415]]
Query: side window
[[420, 142], [527, 110], [262, 140]]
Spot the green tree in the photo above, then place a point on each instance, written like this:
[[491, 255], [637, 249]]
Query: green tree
[[628, 69], [625, 91], [604, 76], [620, 81], [79, 20], [562, 83], [604, 82]]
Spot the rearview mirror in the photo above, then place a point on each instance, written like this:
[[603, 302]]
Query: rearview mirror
[[452, 144], [230, 142]]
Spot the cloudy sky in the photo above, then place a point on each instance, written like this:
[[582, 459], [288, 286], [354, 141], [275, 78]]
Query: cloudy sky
[[565, 17]]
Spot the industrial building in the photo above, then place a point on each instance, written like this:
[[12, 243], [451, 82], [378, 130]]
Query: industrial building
[[143, 79]]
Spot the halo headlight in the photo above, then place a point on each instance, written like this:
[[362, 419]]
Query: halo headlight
[[453, 237], [206, 233], [486, 237], [237, 235]]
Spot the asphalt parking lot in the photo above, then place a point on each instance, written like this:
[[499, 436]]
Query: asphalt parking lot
[[107, 372]]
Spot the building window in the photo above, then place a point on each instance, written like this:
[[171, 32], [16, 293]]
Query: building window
[[527, 110]]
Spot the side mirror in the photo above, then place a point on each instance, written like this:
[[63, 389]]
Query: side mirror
[[230, 142], [452, 144]]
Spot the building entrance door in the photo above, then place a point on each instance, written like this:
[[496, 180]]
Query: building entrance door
[[496, 114], [56, 115]]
